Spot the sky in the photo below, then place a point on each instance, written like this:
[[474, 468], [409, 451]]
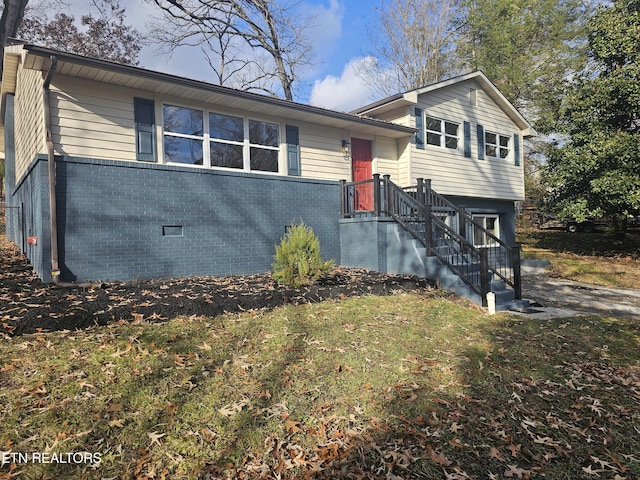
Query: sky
[[339, 37]]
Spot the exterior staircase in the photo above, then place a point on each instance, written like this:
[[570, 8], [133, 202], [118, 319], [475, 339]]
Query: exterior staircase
[[417, 231]]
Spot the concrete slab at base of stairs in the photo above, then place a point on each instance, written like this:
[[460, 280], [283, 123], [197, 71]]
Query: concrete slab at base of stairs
[[548, 313]]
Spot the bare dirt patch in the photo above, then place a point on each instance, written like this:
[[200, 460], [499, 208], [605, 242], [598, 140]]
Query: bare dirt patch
[[28, 305]]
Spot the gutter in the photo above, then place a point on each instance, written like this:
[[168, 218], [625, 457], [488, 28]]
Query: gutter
[[53, 208], [163, 78]]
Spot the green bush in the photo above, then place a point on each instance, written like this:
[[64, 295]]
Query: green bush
[[298, 261]]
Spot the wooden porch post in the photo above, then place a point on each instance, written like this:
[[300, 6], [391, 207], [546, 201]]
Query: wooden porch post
[[462, 224], [387, 195], [343, 200], [517, 274], [428, 227], [376, 194], [485, 286], [427, 191]]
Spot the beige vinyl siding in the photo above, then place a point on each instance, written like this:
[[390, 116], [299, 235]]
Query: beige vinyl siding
[[92, 119], [385, 157], [29, 119], [404, 162], [321, 153], [451, 172]]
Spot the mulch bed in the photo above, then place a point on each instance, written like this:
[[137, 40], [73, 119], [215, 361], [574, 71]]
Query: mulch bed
[[27, 305]]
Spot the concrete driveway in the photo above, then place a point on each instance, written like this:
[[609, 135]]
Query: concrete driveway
[[567, 298]]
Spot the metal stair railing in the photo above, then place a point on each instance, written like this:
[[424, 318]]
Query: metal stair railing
[[407, 207], [503, 259], [425, 214]]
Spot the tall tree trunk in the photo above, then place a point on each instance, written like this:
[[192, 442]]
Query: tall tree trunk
[[10, 21]]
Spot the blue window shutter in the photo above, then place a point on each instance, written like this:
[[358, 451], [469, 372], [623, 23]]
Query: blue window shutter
[[420, 127], [480, 142], [145, 124], [516, 148], [293, 150], [467, 139]]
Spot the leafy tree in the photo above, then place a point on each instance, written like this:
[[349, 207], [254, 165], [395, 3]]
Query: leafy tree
[[526, 47], [250, 44], [594, 169], [413, 45], [104, 36]]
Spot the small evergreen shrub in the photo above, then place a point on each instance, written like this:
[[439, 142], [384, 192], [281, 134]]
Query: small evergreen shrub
[[298, 261]]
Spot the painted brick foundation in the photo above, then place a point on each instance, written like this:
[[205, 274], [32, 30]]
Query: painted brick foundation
[[127, 221]]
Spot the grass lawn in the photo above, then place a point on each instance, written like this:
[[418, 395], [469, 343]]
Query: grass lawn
[[406, 386], [599, 258]]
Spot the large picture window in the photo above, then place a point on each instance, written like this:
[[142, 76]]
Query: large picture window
[[441, 133], [220, 140], [496, 145]]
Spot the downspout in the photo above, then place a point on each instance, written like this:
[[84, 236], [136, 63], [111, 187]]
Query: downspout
[[53, 209]]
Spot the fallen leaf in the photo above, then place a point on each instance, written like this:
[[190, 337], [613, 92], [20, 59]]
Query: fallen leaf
[[495, 453], [515, 449], [439, 458], [155, 437], [292, 426], [517, 472]]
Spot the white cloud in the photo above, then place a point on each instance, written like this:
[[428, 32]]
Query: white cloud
[[325, 27], [345, 92]]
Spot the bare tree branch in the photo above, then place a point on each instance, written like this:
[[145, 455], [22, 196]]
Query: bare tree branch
[[235, 32], [413, 45]]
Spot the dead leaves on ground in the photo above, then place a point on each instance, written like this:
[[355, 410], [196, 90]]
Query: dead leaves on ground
[[27, 305]]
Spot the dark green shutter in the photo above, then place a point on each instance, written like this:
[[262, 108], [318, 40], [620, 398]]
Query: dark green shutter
[[144, 116], [516, 148], [420, 127], [480, 131], [467, 139], [293, 150]]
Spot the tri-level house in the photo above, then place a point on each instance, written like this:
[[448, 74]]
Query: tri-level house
[[115, 172]]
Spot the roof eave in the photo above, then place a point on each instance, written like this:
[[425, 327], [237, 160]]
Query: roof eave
[[355, 121]]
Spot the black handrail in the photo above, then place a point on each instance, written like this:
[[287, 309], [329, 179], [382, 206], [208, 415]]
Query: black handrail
[[420, 210], [503, 259]]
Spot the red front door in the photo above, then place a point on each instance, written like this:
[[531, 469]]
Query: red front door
[[361, 169]]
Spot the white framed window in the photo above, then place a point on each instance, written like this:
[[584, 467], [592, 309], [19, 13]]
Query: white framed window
[[441, 133], [490, 223], [496, 145], [226, 141], [183, 135], [264, 146], [219, 140]]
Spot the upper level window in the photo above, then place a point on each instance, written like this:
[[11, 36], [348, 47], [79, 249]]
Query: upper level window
[[496, 145], [441, 133], [219, 140]]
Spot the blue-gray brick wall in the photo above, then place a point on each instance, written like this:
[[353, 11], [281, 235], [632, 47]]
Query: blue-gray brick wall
[[29, 208], [506, 209], [9, 168], [111, 216]]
